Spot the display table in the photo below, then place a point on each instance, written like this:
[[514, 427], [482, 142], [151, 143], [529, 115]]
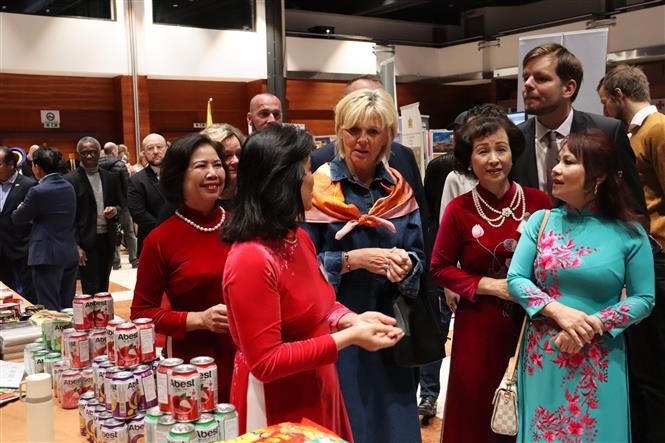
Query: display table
[[13, 426]]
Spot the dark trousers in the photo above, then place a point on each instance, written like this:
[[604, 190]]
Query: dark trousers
[[55, 285], [130, 238], [430, 384], [95, 274], [646, 346], [16, 274]]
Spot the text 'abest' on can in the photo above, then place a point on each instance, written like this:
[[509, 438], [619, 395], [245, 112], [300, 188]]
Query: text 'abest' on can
[[103, 309], [124, 395], [127, 345], [163, 373], [136, 429], [146, 329], [98, 343], [207, 429], [70, 388], [78, 347], [147, 387], [207, 369], [84, 307], [110, 334], [114, 431], [185, 393], [38, 360]]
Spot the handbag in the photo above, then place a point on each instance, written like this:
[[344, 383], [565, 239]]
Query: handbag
[[504, 418], [424, 339]]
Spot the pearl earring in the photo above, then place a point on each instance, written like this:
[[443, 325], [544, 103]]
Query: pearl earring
[[595, 188]]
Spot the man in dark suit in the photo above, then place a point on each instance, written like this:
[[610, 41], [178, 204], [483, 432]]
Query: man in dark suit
[[14, 270], [552, 78], [51, 207], [144, 197], [98, 203]]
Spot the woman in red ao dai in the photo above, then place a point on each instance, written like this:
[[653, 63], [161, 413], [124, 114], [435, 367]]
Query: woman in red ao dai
[[479, 230]]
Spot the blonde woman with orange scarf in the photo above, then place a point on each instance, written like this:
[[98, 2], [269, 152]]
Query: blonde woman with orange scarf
[[366, 228]]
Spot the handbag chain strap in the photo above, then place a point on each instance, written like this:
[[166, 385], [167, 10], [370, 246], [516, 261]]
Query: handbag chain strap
[[512, 363]]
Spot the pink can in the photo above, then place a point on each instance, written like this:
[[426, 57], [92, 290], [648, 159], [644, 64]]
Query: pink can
[[103, 312], [78, 347], [84, 307], [110, 333], [98, 343], [146, 329], [127, 345], [70, 389], [164, 370], [87, 380], [185, 393]]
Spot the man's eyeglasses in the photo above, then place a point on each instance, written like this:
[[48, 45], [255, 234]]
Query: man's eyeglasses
[[152, 148]]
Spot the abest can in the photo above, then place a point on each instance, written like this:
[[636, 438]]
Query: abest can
[[38, 360], [84, 307], [58, 327], [49, 360], [185, 393], [98, 343], [147, 338], [83, 401], [163, 372], [110, 333], [47, 332], [182, 433], [208, 371], [70, 389], [147, 387], [87, 380], [207, 429], [127, 345], [151, 418], [99, 373], [136, 429], [100, 419], [66, 334], [58, 368], [28, 351], [103, 309], [124, 395], [114, 431], [78, 347], [108, 377], [164, 425], [227, 418], [92, 409]]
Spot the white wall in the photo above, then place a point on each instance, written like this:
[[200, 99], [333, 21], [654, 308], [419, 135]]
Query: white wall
[[330, 56]]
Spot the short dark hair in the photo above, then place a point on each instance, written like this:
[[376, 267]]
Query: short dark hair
[[485, 110], [176, 162], [630, 79], [270, 173], [9, 157], [481, 127], [599, 157], [48, 159], [568, 66]]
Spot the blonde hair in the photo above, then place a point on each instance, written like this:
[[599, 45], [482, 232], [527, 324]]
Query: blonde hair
[[361, 106], [221, 131]]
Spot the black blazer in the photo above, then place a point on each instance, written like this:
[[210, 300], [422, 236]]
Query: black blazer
[[145, 201], [86, 208], [525, 171], [14, 238]]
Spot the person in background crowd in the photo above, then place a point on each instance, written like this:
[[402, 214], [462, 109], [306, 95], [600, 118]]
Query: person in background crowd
[[624, 93], [14, 270], [282, 311], [479, 231], [367, 230], [144, 196], [184, 258], [264, 109], [26, 167], [573, 365], [141, 163], [50, 207], [231, 140], [111, 162], [98, 203], [552, 78]]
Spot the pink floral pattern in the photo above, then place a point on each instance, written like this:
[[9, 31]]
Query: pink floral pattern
[[573, 421], [616, 316]]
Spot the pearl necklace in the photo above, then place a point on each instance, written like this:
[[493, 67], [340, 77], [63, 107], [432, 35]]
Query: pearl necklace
[[509, 211], [199, 227]]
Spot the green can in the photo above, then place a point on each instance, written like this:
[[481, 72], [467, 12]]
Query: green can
[[38, 360], [207, 429], [182, 433], [164, 425], [151, 418], [227, 420], [28, 353], [56, 337], [49, 360], [47, 333]]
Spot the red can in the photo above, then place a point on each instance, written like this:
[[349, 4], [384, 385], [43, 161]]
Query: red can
[[103, 309], [185, 393], [78, 347], [11, 306], [70, 389], [147, 337], [127, 345], [207, 369], [98, 343], [110, 334], [84, 308], [87, 380], [164, 370]]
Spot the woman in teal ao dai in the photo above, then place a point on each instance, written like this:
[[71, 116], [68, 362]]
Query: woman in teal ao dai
[[572, 378]]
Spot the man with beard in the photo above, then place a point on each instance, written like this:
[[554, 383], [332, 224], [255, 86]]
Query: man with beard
[[264, 109], [144, 197], [98, 202], [552, 78]]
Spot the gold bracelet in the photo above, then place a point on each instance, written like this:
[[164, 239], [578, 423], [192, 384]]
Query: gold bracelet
[[346, 260]]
